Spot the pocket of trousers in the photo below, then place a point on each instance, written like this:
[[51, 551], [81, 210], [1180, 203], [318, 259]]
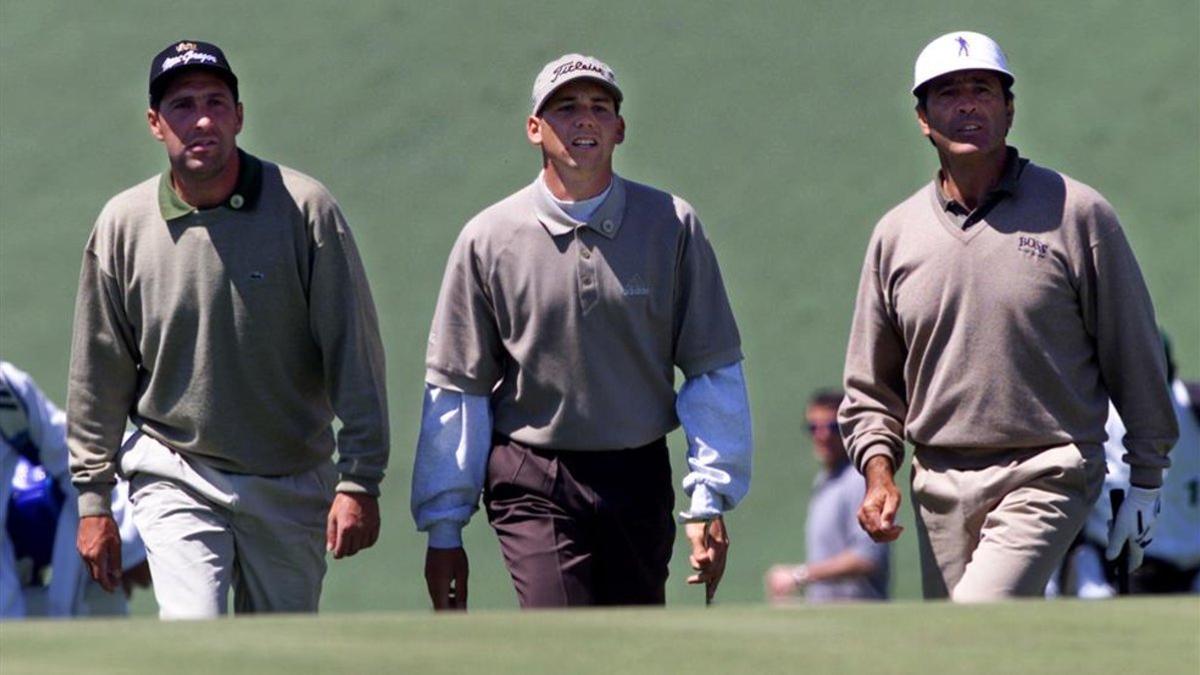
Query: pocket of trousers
[[1068, 470], [504, 465], [934, 487], [917, 476], [518, 469], [144, 454]]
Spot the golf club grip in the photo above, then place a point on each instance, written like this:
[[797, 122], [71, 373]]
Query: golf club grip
[[1116, 498]]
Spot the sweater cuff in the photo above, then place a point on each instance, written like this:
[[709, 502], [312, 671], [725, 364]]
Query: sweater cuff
[[445, 534], [95, 499], [457, 382], [710, 362], [875, 450], [359, 484], [1145, 476]]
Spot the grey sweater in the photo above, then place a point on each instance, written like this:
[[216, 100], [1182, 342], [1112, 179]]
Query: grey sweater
[[581, 325], [233, 335], [1011, 334]]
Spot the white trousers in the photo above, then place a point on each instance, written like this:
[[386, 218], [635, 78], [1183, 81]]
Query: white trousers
[[206, 532]]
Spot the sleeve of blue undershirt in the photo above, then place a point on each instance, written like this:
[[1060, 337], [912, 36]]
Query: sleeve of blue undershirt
[[450, 463], [714, 411]]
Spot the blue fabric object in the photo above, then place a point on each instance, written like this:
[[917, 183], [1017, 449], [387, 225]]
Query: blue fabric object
[[33, 511], [714, 411], [451, 463]]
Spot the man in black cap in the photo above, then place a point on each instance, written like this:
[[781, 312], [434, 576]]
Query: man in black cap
[[224, 310]]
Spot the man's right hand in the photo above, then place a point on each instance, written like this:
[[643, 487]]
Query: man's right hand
[[446, 571], [877, 515], [99, 542]]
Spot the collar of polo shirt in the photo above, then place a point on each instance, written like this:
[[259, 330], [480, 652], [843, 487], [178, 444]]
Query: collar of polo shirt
[[606, 221], [244, 197], [1006, 187]]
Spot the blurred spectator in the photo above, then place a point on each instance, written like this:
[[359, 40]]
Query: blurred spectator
[[843, 563], [41, 574]]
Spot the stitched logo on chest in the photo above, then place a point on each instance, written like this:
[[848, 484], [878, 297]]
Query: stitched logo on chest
[[635, 286], [1032, 247]]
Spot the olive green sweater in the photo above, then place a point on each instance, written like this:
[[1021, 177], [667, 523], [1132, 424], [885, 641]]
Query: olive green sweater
[[233, 335], [1013, 333]]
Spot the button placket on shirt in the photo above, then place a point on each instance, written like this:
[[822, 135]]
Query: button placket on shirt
[[589, 293]]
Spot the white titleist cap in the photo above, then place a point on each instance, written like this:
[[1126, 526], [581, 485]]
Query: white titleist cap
[[568, 68], [962, 50]]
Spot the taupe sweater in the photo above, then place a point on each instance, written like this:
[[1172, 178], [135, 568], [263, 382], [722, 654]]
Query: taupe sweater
[[1013, 333], [233, 335]]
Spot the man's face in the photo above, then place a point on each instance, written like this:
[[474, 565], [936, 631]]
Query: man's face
[[579, 127], [198, 121], [827, 440], [966, 113]]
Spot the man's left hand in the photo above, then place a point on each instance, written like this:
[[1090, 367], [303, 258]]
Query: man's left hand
[[353, 524], [1133, 524], [710, 544]]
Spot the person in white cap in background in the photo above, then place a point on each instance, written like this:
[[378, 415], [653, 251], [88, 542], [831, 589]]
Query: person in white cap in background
[[999, 309], [1172, 561], [41, 573], [564, 311]]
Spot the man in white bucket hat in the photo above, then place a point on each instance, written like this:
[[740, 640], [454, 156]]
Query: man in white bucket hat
[[1000, 308], [564, 311]]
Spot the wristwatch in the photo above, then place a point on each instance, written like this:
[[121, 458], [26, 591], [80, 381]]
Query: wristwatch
[[800, 575]]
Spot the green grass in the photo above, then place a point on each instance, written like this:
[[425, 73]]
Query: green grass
[[1158, 636], [788, 125]]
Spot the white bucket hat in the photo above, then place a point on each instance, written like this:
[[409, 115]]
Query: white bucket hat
[[568, 68], [962, 50]]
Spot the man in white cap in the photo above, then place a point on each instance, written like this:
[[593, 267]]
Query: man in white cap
[[563, 313], [999, 308]]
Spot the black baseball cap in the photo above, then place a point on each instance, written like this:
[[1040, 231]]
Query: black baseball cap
[[184, 56]]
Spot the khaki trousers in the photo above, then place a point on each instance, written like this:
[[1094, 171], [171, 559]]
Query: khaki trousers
[[995, 524], [207, 532]]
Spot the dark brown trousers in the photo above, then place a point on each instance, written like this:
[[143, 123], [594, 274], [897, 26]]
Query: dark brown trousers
[[582, 528]]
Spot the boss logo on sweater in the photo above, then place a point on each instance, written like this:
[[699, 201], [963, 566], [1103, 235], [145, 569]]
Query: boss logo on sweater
[[635, 286], [1032, 247]]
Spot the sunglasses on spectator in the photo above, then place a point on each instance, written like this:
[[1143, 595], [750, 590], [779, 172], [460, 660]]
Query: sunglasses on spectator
[[831, 427]]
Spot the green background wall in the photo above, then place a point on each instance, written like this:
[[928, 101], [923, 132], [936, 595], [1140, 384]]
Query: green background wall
[[788, 125]]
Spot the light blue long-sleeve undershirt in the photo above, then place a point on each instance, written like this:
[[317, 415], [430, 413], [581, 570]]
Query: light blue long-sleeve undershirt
[[456, 438]]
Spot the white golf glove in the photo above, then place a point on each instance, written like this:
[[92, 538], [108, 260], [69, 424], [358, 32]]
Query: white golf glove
[[1133, 524]]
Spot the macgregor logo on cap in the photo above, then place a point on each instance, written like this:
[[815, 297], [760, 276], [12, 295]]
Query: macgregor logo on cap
[[185, 46], [192, 56], [581, 65]]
